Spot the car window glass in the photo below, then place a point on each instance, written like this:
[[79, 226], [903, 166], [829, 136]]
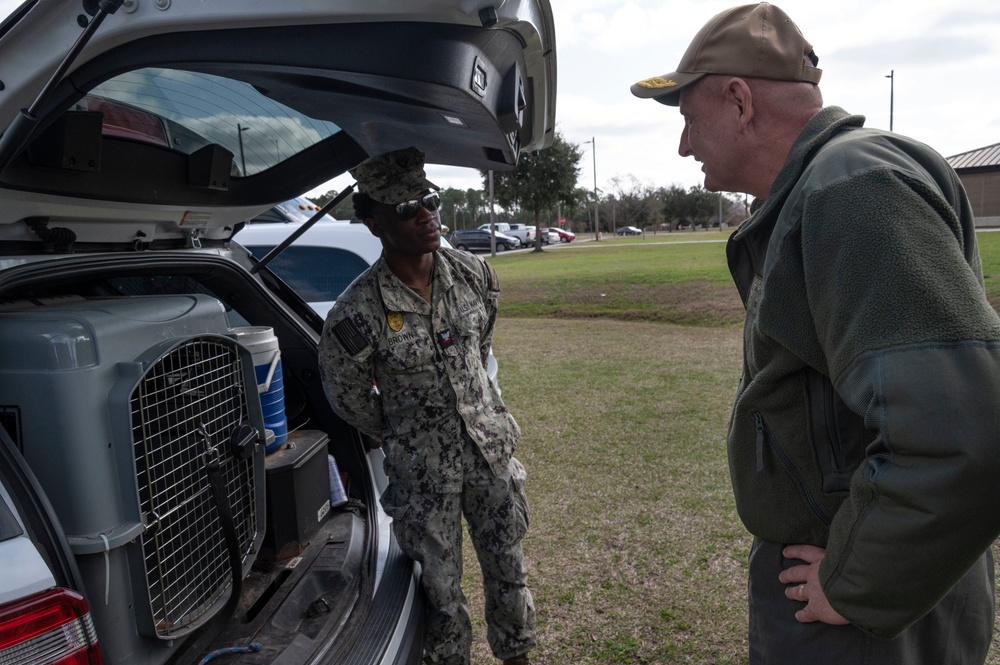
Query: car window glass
[[9, 528], [189, 110], [318, 274], [171, 284]]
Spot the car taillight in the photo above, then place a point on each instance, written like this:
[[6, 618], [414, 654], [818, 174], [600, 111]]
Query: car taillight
[[50, 628]]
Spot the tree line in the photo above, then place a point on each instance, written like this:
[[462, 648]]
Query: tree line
[[542, 190]]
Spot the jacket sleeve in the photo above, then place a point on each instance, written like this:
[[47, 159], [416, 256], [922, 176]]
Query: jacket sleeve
[[912, 346], [347, 368]]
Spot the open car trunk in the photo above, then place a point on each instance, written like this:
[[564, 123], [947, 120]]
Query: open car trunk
[[137, 138], [134, 363]]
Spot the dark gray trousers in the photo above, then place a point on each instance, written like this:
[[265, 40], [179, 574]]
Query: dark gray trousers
[[957, 631]]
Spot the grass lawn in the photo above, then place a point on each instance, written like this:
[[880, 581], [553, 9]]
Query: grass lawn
[[667, 281], [989, 252], [619, 360]]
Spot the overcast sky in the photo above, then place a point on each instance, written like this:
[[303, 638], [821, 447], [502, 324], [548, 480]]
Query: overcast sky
[[945, 57]]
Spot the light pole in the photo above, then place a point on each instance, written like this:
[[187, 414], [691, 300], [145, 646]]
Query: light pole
[[892, 85], [597, 223]]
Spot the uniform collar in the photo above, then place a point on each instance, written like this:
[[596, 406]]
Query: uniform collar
[[398, 297]]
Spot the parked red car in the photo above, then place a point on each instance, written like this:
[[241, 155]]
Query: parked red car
[[564, 235]]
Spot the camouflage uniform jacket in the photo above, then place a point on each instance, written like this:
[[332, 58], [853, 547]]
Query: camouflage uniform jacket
[[428, 362]]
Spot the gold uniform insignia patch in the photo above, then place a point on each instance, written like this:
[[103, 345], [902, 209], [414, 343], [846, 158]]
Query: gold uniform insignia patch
[[657, 82], [395, 321]]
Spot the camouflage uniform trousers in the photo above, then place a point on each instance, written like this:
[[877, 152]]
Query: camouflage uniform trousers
[[429, 529]]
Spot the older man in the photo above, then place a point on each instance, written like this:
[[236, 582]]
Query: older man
[[864, 445]]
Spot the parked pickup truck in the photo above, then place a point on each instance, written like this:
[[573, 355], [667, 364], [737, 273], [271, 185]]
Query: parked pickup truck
[[523, 232]]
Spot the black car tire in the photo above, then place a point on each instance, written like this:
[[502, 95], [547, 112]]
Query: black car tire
[[462, 248], [502, 247], [561, 239]]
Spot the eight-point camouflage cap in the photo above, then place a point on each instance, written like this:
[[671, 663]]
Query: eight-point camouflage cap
[[756, 41], [393, 177]]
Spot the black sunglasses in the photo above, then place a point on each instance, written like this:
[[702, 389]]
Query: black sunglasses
[[409, 209]]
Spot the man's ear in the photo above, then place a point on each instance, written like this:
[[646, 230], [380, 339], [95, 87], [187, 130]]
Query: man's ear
[[739, 94], [373, 226]]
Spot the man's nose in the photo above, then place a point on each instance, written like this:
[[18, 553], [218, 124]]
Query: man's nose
[[685, 147], [423, 214]]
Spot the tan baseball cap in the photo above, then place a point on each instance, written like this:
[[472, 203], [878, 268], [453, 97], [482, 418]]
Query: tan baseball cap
[[393, 177], [755, 41]]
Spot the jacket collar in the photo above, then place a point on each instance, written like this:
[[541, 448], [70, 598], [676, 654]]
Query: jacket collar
[[398, 297], [820, 128]]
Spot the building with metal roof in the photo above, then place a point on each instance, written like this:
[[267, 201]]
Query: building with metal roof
[[979, 171]]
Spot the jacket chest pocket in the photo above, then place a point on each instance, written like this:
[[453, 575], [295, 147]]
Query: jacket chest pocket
[[838, 434], [409, 350], [470, 323], [465, 324]]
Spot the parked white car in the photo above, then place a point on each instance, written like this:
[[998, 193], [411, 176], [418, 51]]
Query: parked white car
[[321, 262], [145, 518], [549, 236]]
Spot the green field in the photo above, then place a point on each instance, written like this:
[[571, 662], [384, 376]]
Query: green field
[[680, 278], [989, 252], [619, 359]]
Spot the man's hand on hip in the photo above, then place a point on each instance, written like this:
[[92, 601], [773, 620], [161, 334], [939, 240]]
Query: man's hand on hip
[[807, 588]]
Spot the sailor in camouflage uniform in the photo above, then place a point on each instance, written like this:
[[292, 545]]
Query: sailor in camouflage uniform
[[403, 358]]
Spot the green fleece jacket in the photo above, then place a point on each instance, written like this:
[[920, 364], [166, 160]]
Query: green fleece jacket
[[867, 418]]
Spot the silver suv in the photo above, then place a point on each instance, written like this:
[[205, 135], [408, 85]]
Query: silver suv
[[161, 500]]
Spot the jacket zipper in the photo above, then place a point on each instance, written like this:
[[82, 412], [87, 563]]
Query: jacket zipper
[[833, 436], [824, 412], [764, 436]]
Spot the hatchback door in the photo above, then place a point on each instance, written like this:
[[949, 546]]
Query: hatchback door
[[232, 106]]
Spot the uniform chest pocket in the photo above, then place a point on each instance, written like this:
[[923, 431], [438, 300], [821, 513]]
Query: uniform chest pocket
[[407, 351], [470, 320]]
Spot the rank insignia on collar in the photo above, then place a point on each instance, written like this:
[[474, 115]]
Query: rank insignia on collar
[[395, 321]]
